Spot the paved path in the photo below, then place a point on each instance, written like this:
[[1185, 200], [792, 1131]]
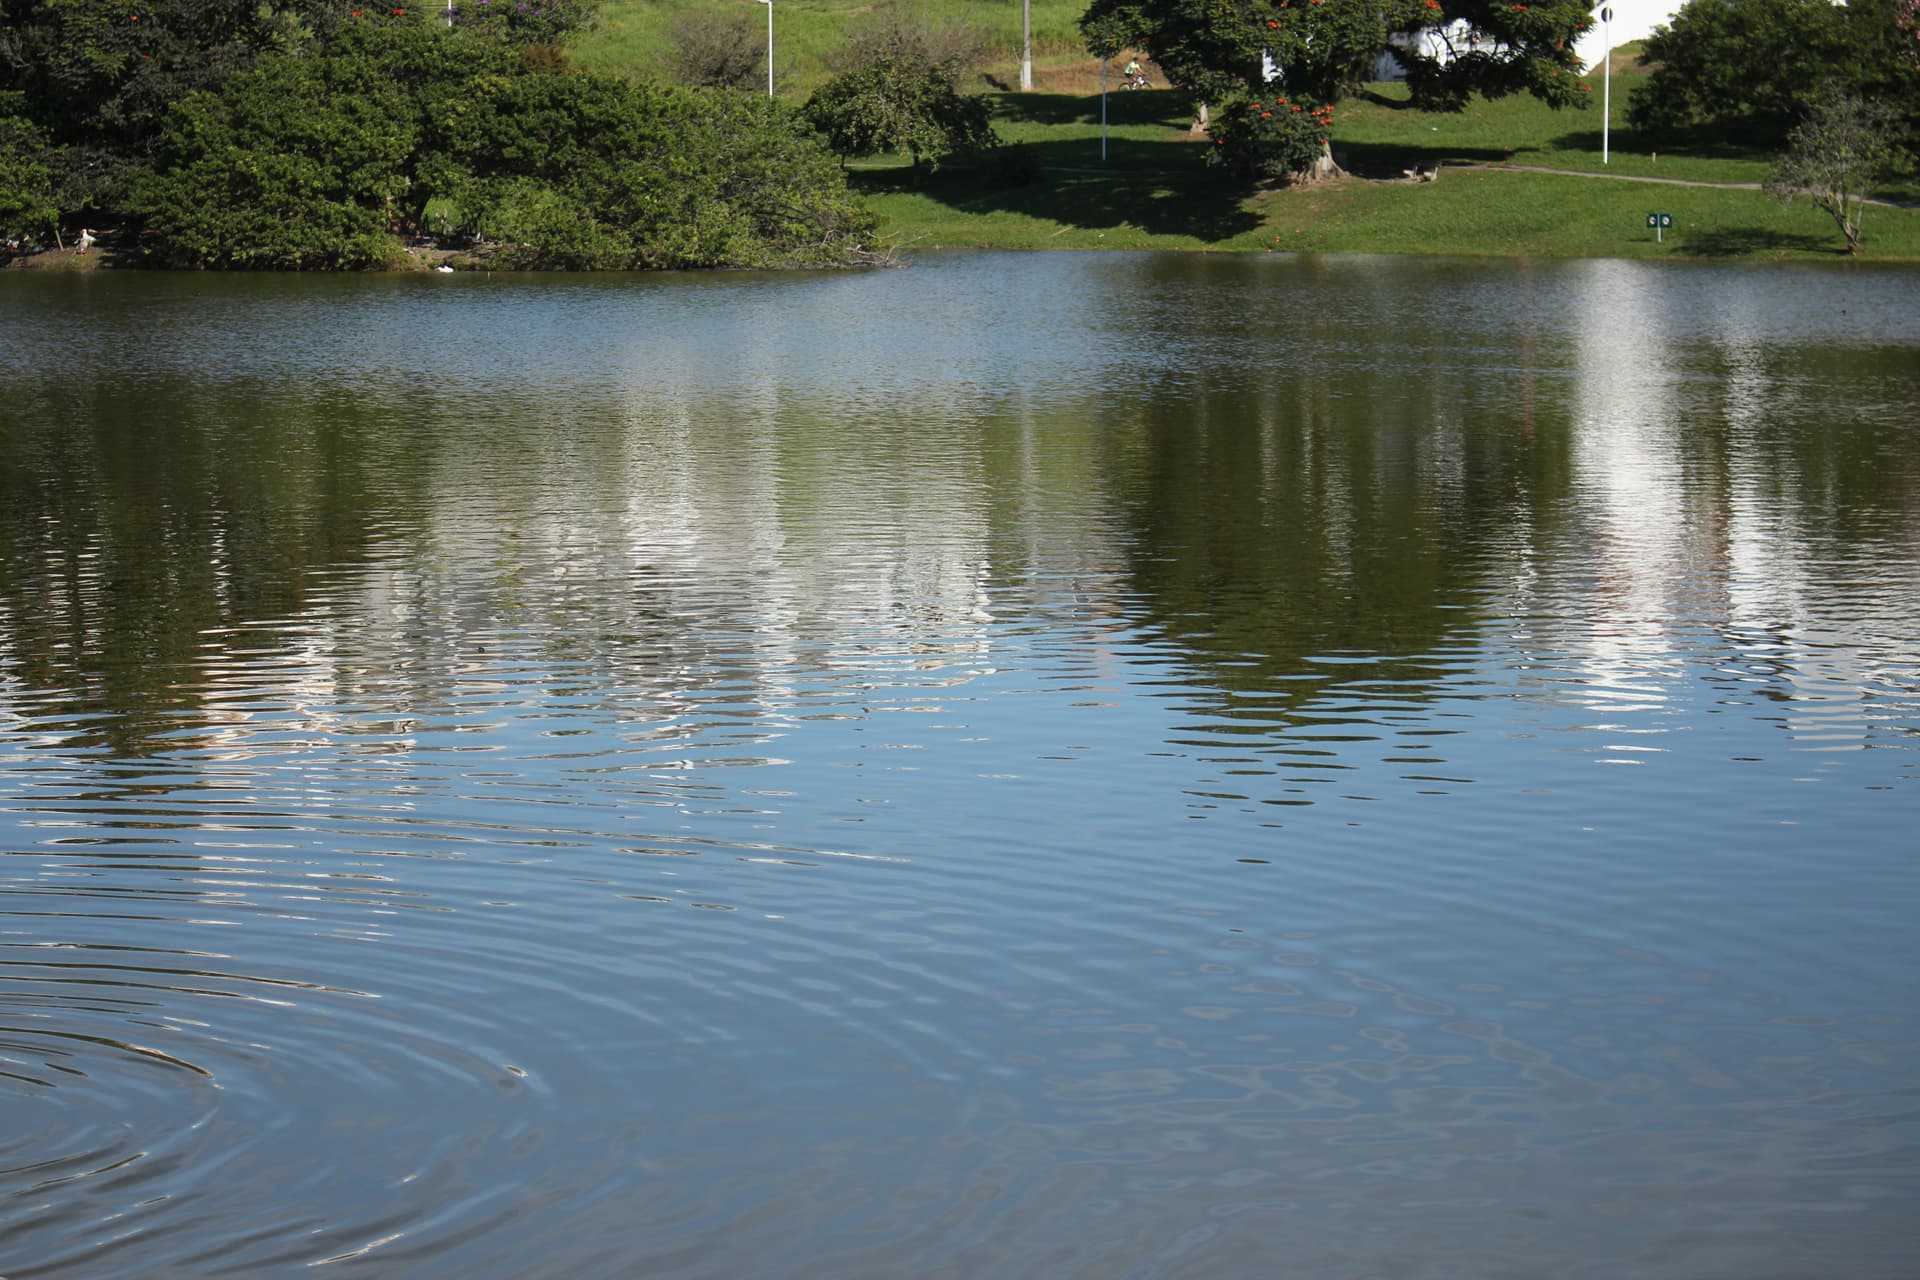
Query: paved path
[[1617, 177], [1671, 182]]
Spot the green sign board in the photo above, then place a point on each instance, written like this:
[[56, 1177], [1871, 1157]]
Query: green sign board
[[1659, 222]]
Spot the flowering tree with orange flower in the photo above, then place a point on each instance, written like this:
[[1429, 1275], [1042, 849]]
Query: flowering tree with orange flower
[[1325, 49]]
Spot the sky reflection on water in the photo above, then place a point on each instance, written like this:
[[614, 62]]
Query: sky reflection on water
[[982, 770]]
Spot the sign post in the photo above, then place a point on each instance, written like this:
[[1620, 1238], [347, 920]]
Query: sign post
[[1659, 222], [1103, 111]]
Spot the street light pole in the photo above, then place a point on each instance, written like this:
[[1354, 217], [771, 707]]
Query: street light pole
[[1606, 92], [1026, 46], [769, 4]]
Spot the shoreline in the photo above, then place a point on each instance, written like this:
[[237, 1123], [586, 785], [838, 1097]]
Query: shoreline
[[916, 227]]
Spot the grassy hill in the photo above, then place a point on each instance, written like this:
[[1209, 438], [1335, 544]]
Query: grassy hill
[[632, 36]]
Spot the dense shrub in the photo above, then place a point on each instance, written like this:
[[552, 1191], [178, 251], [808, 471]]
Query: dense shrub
[[587, 171], [302, 162], [525, 22], [718, 53], [1751, 69], [953, 45], [27, 210], [326, 161], [1274, 137], [897, 102]]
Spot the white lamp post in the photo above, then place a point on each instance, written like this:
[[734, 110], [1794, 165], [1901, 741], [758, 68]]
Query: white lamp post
[[769, 4], [1026, 46], [1606, 92]]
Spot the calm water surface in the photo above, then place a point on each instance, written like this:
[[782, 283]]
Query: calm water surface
[[1020, 767]]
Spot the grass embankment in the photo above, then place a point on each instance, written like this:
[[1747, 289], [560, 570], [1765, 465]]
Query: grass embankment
[[634, 37], [1153, 189]]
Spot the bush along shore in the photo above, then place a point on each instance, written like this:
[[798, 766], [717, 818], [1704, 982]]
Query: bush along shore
[[380, 129]]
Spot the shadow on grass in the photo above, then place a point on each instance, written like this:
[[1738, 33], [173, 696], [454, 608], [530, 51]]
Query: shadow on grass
[[1159, 184], [1702, 146], [1742, 242], [1391, 159], [1152, 107], [1379, 99], [1197, 205]]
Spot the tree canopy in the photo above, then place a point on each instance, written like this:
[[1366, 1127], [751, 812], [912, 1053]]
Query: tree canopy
[[1324, 49], [317, 162], [1753, 69], [900, 102], [240, 135], [1834, 156]]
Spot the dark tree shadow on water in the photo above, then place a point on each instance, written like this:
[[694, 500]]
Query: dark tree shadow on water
[[1742, 242]]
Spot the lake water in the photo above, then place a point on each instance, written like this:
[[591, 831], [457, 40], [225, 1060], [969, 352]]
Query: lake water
[[1020, 767]]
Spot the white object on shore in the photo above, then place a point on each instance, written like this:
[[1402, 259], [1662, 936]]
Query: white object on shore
[[86, 240]]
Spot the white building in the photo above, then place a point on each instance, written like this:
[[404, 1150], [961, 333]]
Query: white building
[[1632, 20]]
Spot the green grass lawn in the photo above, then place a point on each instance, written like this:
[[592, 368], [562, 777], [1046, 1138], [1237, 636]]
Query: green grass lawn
[[1152, 188], [1469, 211], [1380, 128]]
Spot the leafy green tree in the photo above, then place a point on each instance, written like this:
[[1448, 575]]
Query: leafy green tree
[[525, 22], [1835, 155], [1324, 49], [100, 76], [1271, 137], [107, 70], [27, 209], [301, 162], [1750, 69], [326, 161], [596, 172], [898, 102]]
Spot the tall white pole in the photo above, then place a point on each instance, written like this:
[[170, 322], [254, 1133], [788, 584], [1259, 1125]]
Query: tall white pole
[[1026, 46], [769, 4], [1606, 92]]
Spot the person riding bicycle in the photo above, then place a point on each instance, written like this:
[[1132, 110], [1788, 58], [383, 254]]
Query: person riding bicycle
[[1133, 78]]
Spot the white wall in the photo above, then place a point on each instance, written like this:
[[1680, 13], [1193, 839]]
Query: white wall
[[1632, 20]]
